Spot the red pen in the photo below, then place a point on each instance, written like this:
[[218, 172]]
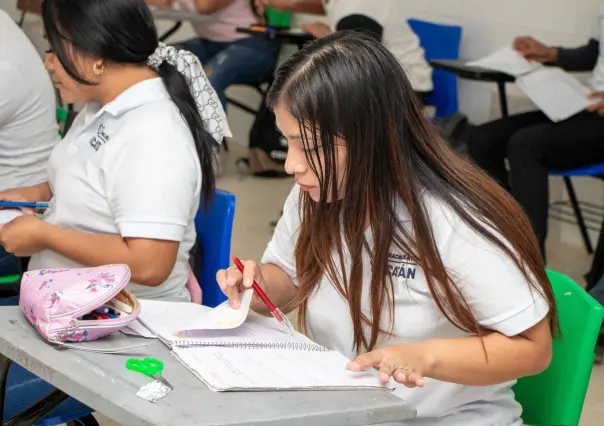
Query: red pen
[[279, 316]]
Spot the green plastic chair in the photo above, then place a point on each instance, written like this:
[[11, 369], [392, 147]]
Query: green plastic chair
[[555, 397]]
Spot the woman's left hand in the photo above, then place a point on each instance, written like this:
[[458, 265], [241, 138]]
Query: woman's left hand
[[407, 364], [23, 236]]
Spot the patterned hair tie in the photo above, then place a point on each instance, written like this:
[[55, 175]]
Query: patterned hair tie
[[209, 106]]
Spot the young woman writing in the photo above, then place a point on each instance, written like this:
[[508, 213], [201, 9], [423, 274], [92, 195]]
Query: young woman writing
[[399, 253]]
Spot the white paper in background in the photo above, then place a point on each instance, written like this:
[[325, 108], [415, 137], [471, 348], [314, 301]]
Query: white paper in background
[[507, 60], [558, 94], [136, 328], [223, 317], [9, 214]]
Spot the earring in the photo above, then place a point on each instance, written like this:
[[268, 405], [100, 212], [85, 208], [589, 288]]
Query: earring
[[98, 68]]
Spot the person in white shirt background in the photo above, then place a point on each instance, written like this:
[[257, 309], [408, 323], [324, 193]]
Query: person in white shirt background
[[126, 181], [28, 124], [398, 252], [533, 144], [385, 19]]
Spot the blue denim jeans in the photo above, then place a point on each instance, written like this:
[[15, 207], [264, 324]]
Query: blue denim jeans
[[246, 61]]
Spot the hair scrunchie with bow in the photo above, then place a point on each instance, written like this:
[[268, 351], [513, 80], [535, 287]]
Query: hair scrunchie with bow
[[209, 106]]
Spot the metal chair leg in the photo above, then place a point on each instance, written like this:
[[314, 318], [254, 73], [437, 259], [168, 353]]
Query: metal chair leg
[[577, 209]]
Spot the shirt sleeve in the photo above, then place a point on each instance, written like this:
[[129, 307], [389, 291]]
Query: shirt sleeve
[[280, 250], [154, 185], [493, 286]]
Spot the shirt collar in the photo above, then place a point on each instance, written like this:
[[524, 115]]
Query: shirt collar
[[142, 93]]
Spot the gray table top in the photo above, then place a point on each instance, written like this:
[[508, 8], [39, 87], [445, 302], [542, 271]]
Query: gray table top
[[177, 15], [102, 382]]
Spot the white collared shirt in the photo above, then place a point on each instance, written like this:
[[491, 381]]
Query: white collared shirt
[[131, 169], [28, 123], [397, 36], [492, 285]]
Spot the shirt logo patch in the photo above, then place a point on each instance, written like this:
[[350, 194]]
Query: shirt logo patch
[[100, 139], [401, 266]]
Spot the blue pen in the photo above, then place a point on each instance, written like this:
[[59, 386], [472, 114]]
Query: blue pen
[[111, 315], [24, 205]]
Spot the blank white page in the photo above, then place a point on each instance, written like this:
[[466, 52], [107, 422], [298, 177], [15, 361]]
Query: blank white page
[[506, 60], [558, 94]]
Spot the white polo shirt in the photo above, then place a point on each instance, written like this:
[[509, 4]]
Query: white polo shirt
[[492, 285], [28, 124], [397, 36], [130, 169]]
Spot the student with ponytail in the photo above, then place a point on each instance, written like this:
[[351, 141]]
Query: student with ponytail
[[125, 183]]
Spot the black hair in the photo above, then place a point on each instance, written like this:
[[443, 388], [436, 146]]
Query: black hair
[[123, 32]]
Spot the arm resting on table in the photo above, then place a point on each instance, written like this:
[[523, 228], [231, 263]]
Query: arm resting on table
[[464, 361]]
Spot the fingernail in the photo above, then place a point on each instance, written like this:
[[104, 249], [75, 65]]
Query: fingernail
[[247, 282], [353, 365], [236, 304]]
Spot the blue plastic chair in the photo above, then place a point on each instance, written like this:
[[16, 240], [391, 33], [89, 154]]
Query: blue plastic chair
[[440, 42], [596, 170], [214, 229]]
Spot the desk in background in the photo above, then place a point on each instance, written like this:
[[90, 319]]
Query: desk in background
[[102, 382], [478, 74], [297, 37]]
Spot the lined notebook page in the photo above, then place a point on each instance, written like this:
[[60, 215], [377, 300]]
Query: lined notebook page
[[228, 369], [166, 318]]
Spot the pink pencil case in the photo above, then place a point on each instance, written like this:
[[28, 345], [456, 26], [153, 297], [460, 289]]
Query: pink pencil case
[[56, 300]]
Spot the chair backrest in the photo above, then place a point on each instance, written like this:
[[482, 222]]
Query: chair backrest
[[440, 42], [555, 397], [214, 229]]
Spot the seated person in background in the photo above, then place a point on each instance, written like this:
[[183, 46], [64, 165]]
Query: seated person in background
[[28, 124], [384, 19], [426, 271], [228, 57], [126, 180], [533, 144]]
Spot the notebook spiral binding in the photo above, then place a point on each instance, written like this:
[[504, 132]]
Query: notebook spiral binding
[[297, 346]]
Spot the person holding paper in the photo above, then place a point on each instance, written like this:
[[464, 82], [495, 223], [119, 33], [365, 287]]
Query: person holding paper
[[533, 144], [28, 123], [384, 19], [398, 252]]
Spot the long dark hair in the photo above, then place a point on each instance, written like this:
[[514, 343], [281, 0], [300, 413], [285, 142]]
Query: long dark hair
[[123, 32], [349, 86]]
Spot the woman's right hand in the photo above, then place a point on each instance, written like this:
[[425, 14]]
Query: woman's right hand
[[232, 282]]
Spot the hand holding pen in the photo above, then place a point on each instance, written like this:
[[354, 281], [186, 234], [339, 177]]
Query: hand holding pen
[[240, 277], [233, 281]]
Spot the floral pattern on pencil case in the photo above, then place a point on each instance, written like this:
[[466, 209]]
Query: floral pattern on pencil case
[[54, 300]]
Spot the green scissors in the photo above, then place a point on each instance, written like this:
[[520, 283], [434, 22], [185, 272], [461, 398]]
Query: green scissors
[[149, 366]]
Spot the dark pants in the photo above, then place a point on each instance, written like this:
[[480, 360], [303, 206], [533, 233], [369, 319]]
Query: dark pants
[[246, 61], [534, 145], [8, 263]]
